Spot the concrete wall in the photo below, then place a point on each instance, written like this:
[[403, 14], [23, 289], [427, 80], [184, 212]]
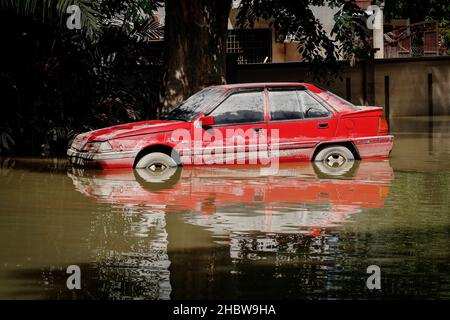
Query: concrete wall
[[409, 86], [408, 82]]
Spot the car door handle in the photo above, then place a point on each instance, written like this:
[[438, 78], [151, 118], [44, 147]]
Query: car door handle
[[323, 125]]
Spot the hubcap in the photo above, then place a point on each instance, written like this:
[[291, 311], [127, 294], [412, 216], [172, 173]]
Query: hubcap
[[335, 160], [157, 167]]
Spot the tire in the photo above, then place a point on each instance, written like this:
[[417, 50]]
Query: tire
[[156, 161], [157, 171], [348, 170], [335, 160]]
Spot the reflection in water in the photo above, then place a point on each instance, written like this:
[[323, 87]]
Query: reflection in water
[[143, 268], [232, 232], [297, 199], [255, 214]]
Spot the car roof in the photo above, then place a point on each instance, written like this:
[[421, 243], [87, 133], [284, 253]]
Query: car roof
[[269, 84]]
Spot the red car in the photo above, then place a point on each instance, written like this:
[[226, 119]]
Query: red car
[[243, 123]]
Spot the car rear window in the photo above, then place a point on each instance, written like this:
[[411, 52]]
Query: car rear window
[[285, 105], [338, 103]]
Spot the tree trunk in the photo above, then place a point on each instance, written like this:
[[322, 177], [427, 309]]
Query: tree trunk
[[195, 37]]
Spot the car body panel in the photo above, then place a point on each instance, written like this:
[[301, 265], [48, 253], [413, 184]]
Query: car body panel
[[240, 146]]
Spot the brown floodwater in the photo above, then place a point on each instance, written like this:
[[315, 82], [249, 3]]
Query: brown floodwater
[[235, 233]]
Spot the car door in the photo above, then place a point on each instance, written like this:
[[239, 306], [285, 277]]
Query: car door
[[319, 121], [298, 122], [239, 133]]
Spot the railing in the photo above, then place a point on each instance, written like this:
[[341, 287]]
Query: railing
[[415, 40]]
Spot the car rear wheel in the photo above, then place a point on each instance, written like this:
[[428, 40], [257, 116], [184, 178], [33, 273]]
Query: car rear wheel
[[335, 159]]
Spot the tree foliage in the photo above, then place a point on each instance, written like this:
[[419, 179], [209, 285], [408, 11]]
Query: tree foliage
[[60, 81], [57, 81], [296, 18], [418, 10], [195, 34], [423, 10]]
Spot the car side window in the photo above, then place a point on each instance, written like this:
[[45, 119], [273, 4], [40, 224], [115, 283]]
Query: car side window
[[312, 108], [284, 105], [243, 107]]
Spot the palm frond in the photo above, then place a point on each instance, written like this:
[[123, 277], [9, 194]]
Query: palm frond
[[56, 10], [148, 30]]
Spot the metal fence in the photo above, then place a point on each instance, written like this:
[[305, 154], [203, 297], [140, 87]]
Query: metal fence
[[250, 45], [415, 40]]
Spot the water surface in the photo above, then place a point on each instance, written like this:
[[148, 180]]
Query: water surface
[[233, 232]]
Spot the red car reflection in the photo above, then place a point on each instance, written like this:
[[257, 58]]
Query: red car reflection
[[247, 198]]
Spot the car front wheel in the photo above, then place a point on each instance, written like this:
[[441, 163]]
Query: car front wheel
[[156, 162]]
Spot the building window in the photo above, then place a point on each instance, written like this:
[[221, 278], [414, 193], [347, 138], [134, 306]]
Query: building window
[[251, 45]]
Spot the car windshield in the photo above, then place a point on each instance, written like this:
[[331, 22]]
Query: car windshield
[[191, 107]]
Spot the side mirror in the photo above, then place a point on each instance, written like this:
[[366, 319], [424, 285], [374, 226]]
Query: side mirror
[[207, 121]]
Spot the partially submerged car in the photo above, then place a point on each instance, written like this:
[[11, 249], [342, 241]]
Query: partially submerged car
[[240, 123]]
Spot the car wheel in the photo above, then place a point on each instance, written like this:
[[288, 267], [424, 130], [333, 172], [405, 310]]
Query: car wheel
[[156, 162], [348, 170], [161, 181], [157, 171], [335, 160]]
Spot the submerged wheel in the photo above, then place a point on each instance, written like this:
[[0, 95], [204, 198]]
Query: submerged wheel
[[156, 162], [335, 160], [156, 171]]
